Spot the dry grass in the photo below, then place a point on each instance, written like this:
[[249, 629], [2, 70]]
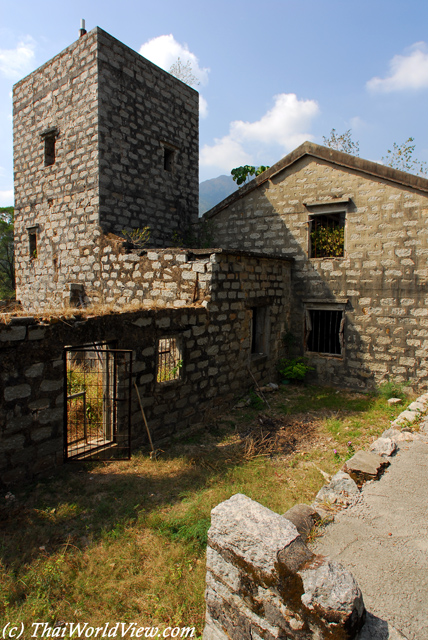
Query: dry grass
[[126, 540], [54, 314]]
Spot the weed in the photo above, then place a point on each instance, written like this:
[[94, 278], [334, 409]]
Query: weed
[[393, 389], [256, 401], [293, 369]]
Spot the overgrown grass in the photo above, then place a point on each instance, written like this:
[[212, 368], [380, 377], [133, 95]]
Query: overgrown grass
[[125, 541]]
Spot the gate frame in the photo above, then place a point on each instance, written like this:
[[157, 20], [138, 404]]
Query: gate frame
[[103, 348]]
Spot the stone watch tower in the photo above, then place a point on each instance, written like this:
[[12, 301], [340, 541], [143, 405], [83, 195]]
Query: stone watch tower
[[104, 140]]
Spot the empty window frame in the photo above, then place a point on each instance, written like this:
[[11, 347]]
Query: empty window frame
[[168, 158], [32, 242], [327, 235], [49, 139], [324, 330], [259, 330], [169, 360]]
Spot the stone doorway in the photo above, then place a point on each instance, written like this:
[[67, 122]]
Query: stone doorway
[[97, 403]]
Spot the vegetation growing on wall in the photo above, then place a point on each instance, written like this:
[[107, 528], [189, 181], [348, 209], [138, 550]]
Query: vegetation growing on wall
[[327, 241]]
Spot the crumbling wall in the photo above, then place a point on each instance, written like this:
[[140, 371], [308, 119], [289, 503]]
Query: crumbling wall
[[263, 582], [216, 352]]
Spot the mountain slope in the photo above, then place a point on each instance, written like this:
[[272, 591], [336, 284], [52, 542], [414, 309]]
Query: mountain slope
[[213, 191]]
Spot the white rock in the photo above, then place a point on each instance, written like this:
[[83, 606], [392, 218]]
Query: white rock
[[383, 447]]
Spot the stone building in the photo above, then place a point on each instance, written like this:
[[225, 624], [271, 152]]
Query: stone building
[[184, 361], [103, 140], [357, 233]]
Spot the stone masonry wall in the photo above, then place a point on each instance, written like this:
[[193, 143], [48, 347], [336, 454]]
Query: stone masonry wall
[[263, 582], [113, 114], [215, 342], [59, 201], [143, 110], [383, 276]]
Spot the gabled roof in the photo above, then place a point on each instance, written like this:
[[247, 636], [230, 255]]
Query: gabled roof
[[338, 158]]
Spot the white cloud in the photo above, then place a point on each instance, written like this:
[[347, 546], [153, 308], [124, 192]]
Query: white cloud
[[15, 63], [203, 107], [6, 198], [165, 51], [284, 125], [408, 71]]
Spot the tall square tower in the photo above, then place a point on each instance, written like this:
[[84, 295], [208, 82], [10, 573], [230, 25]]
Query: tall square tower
[[104, 140]]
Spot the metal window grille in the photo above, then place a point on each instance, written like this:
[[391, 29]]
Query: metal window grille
[[169, 360], [324, 331]]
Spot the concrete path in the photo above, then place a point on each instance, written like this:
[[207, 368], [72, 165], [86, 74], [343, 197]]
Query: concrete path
[[383, 541]]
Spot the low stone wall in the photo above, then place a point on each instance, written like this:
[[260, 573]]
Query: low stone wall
[[263, 582]]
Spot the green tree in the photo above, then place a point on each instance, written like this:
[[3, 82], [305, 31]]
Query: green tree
[[7, 266], [242, 174], [342, 142], [401, 157]]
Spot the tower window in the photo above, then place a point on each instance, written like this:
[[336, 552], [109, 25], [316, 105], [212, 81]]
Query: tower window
[[168, 158], [49, 138], [32, 240]]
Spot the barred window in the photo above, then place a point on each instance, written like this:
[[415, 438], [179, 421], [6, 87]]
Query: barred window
[[169, 360], [324, 331]]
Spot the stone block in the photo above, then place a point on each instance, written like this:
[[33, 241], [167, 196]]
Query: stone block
[[17, 392], [304, 518], [13, 334], [341, 491], [383, 447], [263, 582], [365, 465], [51, 385]]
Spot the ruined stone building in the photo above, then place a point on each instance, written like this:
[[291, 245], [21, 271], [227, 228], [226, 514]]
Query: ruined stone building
[[104, 140], [325, 248], [359, 308]]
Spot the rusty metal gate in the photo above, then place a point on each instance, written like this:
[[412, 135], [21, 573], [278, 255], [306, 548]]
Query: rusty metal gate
[[97, 407]]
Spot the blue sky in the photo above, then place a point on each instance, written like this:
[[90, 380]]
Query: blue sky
[[271, 74]]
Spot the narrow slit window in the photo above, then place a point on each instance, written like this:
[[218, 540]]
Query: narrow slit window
[[50, 140], [327, 235], [169, 360], [324, 331], [259, 329], [168, 159], [32, 241]]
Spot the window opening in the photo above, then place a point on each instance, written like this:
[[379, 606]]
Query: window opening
[[259, 330], [324, 331], [97, 404], [49, 150], [49, 139], [327, 235], [168, 159], [169, 360], [32, 239]]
